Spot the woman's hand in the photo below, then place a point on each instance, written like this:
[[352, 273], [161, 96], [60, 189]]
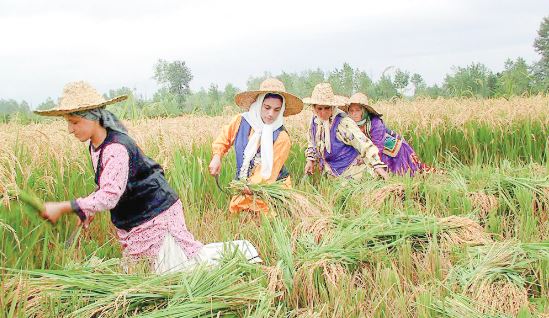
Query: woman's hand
[[215, 165], [382, 173], [246, 191], [54, 210], [310, 167], [86, 222]]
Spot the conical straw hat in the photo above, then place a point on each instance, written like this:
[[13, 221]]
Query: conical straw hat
[[294, 105], [79, 96], [324, 95], [362, 100]]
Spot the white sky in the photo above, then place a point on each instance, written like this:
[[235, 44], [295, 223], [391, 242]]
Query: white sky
[[44, 44]]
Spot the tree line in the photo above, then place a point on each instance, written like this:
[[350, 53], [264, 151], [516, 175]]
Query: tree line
[[174, 96]]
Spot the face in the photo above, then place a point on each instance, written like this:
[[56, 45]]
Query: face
[[81, 128], [270, 110], [355, 112], [323, 111]]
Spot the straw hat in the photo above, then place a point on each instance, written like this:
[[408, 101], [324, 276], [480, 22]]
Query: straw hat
[[294, 105], [343, 99], [324, 95], [79, 96], [362, 100]]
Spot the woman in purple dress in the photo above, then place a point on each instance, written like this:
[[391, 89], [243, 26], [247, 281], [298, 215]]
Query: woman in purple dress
[[394, 151]]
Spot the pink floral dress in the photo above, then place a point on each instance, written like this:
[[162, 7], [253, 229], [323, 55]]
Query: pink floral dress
[[145, 240]]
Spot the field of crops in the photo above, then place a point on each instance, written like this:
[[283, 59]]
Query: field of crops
[[472, 242]]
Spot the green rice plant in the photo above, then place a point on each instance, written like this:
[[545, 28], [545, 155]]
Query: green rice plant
[[458, 306], [497, 276], [29, 198], [100, 290]]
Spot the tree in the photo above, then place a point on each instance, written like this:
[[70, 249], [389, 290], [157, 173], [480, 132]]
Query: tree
[[515, 79], [118, 92], [47, 104], [475, 80], [385, 89], [541, 43], [288, 79], [401, 81], [308, 81], [419, 84], [214, 97], [363, 83], [540, 70], [228, 94], [175, 77], [11, 106], [342, 80]]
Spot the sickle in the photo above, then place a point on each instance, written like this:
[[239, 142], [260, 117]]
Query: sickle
[[217, 184], [72, 237]]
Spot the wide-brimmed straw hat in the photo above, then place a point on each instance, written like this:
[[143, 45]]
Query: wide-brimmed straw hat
[[362, 100], [79, 96], [294, 105], [324, 95], [343, 99]]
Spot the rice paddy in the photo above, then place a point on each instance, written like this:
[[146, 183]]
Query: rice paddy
[[470, 242]]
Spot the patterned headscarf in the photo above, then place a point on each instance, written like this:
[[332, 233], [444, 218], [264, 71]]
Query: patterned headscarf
[[105, 118], [365, 121]]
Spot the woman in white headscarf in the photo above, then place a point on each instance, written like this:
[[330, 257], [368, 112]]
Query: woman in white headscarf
[[261, 143]]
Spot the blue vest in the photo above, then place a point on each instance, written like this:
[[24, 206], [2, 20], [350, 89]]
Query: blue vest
[[342, 155], [240, 143], [147, 192]]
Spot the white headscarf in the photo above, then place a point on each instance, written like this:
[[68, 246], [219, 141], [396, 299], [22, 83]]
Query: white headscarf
[[263, 135], [324, 127]]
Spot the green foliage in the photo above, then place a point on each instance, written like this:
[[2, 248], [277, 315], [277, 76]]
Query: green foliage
[[515, 79], [174, 76], [474, 80]]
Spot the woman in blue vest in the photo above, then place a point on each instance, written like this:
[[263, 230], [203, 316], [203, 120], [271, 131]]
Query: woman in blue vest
[[261, 143], [145, 210], [336, 145]]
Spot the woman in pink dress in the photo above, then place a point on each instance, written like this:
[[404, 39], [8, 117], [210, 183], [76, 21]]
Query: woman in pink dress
[[145, 210]]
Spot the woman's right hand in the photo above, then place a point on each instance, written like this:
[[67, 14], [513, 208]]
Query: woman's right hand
[[215, 165], [382, 173], [54, 210], [310, 167]]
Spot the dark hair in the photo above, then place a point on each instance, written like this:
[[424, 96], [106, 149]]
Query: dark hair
[[273, 95]]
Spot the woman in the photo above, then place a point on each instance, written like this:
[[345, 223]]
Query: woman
[[394, 151], [335, 144], [145, 210], [261, 143]]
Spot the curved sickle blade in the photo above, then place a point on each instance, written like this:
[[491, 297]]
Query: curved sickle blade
[[218, 186]]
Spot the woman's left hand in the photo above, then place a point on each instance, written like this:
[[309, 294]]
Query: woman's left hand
[[246, 190]]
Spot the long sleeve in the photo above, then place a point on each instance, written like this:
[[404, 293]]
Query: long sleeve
[[311, 153], [377, 133], [281, 151], [112, 182], [349, 133], [225, 139]]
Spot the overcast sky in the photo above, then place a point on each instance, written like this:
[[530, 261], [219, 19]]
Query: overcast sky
[[44, 44]]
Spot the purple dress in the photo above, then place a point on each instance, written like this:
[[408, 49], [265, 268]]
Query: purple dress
[[404, 160]]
